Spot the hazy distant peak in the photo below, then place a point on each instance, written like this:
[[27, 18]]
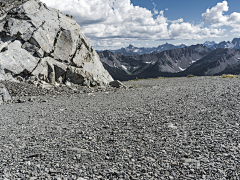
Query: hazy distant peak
[[209, 43]]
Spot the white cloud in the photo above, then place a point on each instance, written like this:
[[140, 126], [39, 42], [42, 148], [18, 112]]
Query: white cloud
[[190, 31], [177, 21], [107, 44], [154, 9], [108, 21], [215, 16]]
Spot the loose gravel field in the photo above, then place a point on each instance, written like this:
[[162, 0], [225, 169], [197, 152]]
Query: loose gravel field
[[174, 128]]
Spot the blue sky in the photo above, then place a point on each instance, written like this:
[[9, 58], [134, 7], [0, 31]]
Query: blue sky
[[190, 10], [112, 24]]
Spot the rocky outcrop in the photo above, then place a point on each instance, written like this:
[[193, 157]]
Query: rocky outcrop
[[42, 44], [4, 94]]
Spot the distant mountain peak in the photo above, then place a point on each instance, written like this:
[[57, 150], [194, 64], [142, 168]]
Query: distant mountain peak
[[132, 50], [209, 44], [236, 40], [235, 44], [130, 46]]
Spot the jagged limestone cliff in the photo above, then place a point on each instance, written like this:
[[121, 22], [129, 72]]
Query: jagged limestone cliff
[[43, 44]]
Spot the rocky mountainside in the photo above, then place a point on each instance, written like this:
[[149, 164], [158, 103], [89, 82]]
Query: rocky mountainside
[[171, 61], [132, 50], [218, 62], [41, 44], [234, 44]]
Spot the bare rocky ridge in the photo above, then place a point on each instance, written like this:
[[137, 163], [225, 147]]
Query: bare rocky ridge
[[197, 60], [131, 50], [41, 44], [215, 63], [143, 66], [175, 128]]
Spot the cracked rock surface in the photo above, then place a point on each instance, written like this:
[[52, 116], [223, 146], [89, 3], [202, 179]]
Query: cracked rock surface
[[40, 43], [175, 128]]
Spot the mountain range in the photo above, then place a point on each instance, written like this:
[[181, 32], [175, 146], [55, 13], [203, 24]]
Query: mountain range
[[234, 44], [196, 59], [132, 50]]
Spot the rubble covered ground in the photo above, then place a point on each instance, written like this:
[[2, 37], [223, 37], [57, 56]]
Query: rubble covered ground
[[174, 128]]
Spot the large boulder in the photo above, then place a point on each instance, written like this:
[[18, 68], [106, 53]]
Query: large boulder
[[4, 94], [37, 42]]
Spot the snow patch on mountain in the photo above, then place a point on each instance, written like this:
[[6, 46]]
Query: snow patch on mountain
[[181, 69], [124, 67]]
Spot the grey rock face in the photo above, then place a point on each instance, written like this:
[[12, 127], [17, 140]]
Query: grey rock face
[[42, 42]]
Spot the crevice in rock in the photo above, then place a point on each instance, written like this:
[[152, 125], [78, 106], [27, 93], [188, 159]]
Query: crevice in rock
[[59, 74], [24, 74], [19, 15], [3, 18], [6, 38], [40, 60], [6, 27], [83, 40], [18, 37], [32, 40], [4, 49], [6, 71], [49, 55], [56, 39], [78, 47], [44, 5]]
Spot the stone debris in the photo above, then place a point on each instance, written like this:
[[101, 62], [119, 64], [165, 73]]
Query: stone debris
[[41, 44], [125, 133], [117, 84], [28, 92]]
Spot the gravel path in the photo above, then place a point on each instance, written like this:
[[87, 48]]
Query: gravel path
[[177, 128]]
